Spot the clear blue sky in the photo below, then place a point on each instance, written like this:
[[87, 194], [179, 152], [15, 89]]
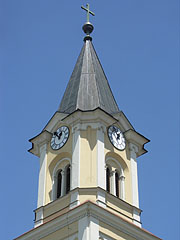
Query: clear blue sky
[[137, 43]]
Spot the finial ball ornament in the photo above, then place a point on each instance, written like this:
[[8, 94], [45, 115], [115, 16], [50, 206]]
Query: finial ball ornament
[[88, 28]]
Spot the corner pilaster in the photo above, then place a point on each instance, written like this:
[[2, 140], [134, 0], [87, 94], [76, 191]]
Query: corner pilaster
[[101, 172], [42, 176], [134, 180], [75, 168], [88, 228]]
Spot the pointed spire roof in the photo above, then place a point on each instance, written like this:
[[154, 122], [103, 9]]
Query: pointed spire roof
[[88, 87]]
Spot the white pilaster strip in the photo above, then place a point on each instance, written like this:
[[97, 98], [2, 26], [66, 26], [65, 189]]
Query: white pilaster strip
[[135, 196], [42, 175], [88, 228], [101, 172], [93, 229], [134, 178], [75, 168], [83, 228]]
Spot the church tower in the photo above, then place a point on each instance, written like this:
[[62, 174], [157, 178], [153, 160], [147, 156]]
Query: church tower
[[88, 182]]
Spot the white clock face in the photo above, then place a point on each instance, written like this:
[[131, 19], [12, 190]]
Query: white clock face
[[116, 137], [59, 138]]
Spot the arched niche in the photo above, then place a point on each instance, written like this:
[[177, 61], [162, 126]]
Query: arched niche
[[118, 160], [57, 160]]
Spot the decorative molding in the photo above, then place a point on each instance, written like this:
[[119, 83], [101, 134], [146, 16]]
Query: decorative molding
[[91, 210], [58, 163], [101, 198], [136, 218], [118, 163], [136, 139], [38, 217], [133, 148], [40, 140]]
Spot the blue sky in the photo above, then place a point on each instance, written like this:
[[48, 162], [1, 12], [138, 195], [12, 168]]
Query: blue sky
[[137, 43]]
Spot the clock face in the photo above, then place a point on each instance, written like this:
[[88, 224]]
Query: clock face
[[116, 137], [59, 138]]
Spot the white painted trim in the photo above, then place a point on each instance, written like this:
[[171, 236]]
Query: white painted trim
[[88, 209], [118, 163], [136, 218], [75, 167], [134, 178], [42, 176], [58, 163], [83, 228], [93, 228], [88, 228], [38, 217], [101, 198], [101, 171]]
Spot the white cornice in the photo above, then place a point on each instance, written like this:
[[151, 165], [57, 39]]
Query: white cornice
[[123, 120], [56, 118], [137, 139], [41, 139], [88, 209], [94, 116]]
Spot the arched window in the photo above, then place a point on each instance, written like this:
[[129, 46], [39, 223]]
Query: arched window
[[61, 178], [68, 179], [107, 179], [115, 179], [59, 182], [117, 183]]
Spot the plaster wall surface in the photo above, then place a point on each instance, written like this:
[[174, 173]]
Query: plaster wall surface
[[64, 233], [113, 233], [88, 158]]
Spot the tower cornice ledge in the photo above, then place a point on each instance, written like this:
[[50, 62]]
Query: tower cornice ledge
[[38, 141], [138, 140], [88, 209]]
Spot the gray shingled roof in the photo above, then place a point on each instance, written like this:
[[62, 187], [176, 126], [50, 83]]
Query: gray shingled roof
[[88, 87]]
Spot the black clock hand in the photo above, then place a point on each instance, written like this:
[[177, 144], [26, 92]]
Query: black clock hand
[[60, 134], [118, 136], [55, 133]]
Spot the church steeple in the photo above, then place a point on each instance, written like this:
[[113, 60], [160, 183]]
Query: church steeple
[[88, 87], [88, 181]]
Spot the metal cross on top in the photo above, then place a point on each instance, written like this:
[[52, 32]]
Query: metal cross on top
[[88, 11]]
